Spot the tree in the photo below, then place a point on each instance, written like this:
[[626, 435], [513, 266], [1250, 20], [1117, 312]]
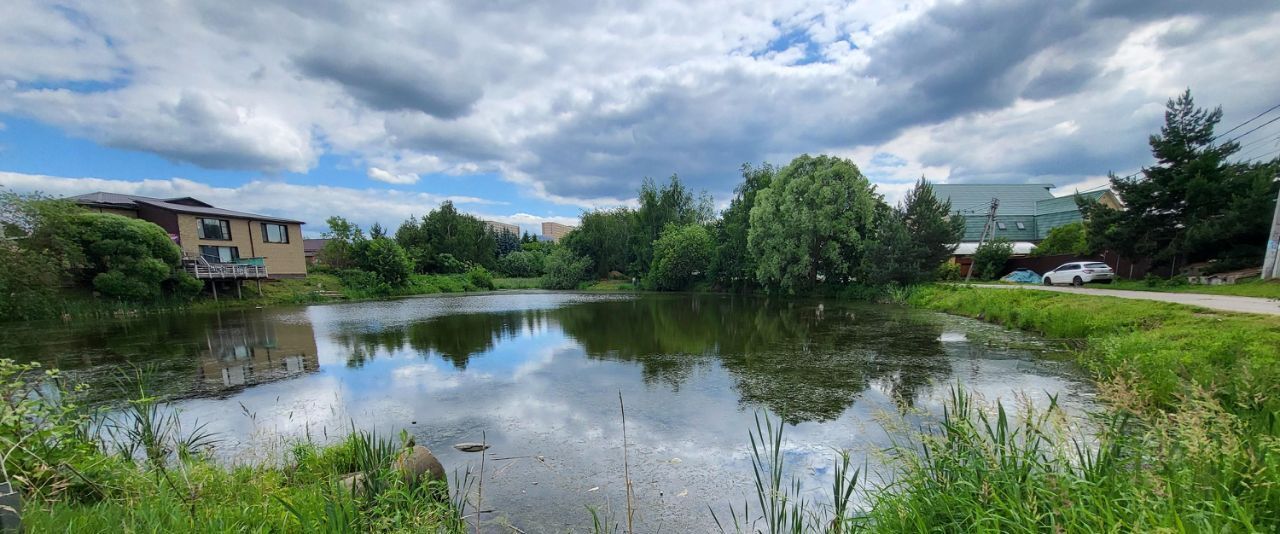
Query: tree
[[681, 256], [605, 236], [670, 204], [522, 264], [342, 236], [505, 242], [565, 270], [129, 259], [732, 266], [444, 230], [385, 259], [931, 225], [377, 231], [989, 259], [810, 222], [1069, 238], [1193, 204]]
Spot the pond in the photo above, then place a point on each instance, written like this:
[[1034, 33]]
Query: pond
[[540, 373]]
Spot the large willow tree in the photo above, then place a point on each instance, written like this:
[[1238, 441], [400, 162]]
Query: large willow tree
[[810, 223]]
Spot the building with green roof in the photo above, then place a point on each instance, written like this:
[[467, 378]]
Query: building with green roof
[[1026, 214]]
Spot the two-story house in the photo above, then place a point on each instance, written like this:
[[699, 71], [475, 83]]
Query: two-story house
[[216, 235]]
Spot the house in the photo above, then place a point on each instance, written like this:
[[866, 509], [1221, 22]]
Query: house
[[236, 244], [311, 250], [1025, 215], [555, 231]]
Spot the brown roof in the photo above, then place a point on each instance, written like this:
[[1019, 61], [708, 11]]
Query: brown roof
[[179, 205]]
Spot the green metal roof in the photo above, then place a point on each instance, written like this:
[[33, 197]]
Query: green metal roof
[[1030, 204], [973, 199]]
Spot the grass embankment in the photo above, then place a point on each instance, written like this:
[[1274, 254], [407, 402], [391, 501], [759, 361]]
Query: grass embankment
[[1191, 442], [1268, 289], [517, 283], [139, 470]]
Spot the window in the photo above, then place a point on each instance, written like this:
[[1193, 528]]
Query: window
[[219, 254], [1002, 226], [214, 229], [1070, 267], [275, 233], [1020, 225]]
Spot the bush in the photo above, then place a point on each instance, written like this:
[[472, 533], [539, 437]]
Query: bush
[[523, 264], [385, 259], [128, 259], [565, 270], [28, 284], [989, 259], [948, 272], [447, 264], [1066, 239], [681, 255], [480, 278]]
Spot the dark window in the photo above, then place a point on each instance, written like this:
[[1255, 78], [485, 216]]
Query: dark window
[[275, 233], [1002, 226], [214, 229], [1069, 267], [219, 254], [1020, 225]]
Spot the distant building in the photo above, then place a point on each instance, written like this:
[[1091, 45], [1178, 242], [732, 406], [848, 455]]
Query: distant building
[[1026, 214], [555, 231], [311, 249], [499, 227], [236, 244]]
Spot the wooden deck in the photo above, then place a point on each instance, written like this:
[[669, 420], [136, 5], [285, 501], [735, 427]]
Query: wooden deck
[[225, 271]]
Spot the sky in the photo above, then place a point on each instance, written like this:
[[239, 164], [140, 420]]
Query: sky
[[525, 112]]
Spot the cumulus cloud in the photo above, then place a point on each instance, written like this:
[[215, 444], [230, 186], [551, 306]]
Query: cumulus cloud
[[576, 101]]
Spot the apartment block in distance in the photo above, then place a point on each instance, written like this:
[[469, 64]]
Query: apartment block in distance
[[555, 231], [216, 243], [499, 227]]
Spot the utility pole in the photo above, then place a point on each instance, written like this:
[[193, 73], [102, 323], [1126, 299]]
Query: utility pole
[[990, 225], [1271, 265]]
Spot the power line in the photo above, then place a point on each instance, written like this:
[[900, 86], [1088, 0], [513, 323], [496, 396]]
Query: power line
[[1254, 129], [1255, 117]]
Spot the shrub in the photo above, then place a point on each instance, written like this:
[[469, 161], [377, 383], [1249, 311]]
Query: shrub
[[28, 284], [681, 255], [480, 278], [523, 264], [128, 259], [447, 264], [948, 272], [385, 259], [565, 270], [989, 259]]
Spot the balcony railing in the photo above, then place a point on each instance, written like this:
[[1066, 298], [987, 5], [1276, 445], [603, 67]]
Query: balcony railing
[[245, 268]]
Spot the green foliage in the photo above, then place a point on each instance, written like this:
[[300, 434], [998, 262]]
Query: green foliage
[[732, 266], [29, 284], [1066, 239], [1193, 204], [127, 259], [480, 278], [338, 253], [523, 264], [947, 272], [681, 256], [607, 237], [565, 270], [445, 234], [40, 429], [811, 222], [383, 258], [672, 203], [505, 242], [989, 259]]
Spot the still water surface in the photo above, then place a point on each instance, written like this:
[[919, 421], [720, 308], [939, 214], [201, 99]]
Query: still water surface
[[540, 373]]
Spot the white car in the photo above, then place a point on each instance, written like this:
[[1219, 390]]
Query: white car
[[1080, 273]]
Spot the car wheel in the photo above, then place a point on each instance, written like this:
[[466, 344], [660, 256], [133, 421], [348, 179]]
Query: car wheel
[[1048, 281], [1077, 282]]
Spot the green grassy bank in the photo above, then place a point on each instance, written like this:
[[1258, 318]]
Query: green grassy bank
[[1190, 443]]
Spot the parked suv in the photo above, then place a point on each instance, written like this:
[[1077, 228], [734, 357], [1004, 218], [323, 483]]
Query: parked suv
[[1080, 273]]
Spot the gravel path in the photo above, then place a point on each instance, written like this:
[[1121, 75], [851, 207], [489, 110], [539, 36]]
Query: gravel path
[[1216, 302]]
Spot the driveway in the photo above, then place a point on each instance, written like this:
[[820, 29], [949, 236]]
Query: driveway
[[1215, 302]]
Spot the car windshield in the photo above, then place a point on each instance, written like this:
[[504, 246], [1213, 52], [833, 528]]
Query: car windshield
[[1096, 266]]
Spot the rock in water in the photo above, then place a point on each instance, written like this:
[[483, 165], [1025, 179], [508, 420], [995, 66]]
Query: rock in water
[[417, 465], [471, 447]]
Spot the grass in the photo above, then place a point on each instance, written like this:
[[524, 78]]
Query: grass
[[607, 285], [517, 283], [140, 471]]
